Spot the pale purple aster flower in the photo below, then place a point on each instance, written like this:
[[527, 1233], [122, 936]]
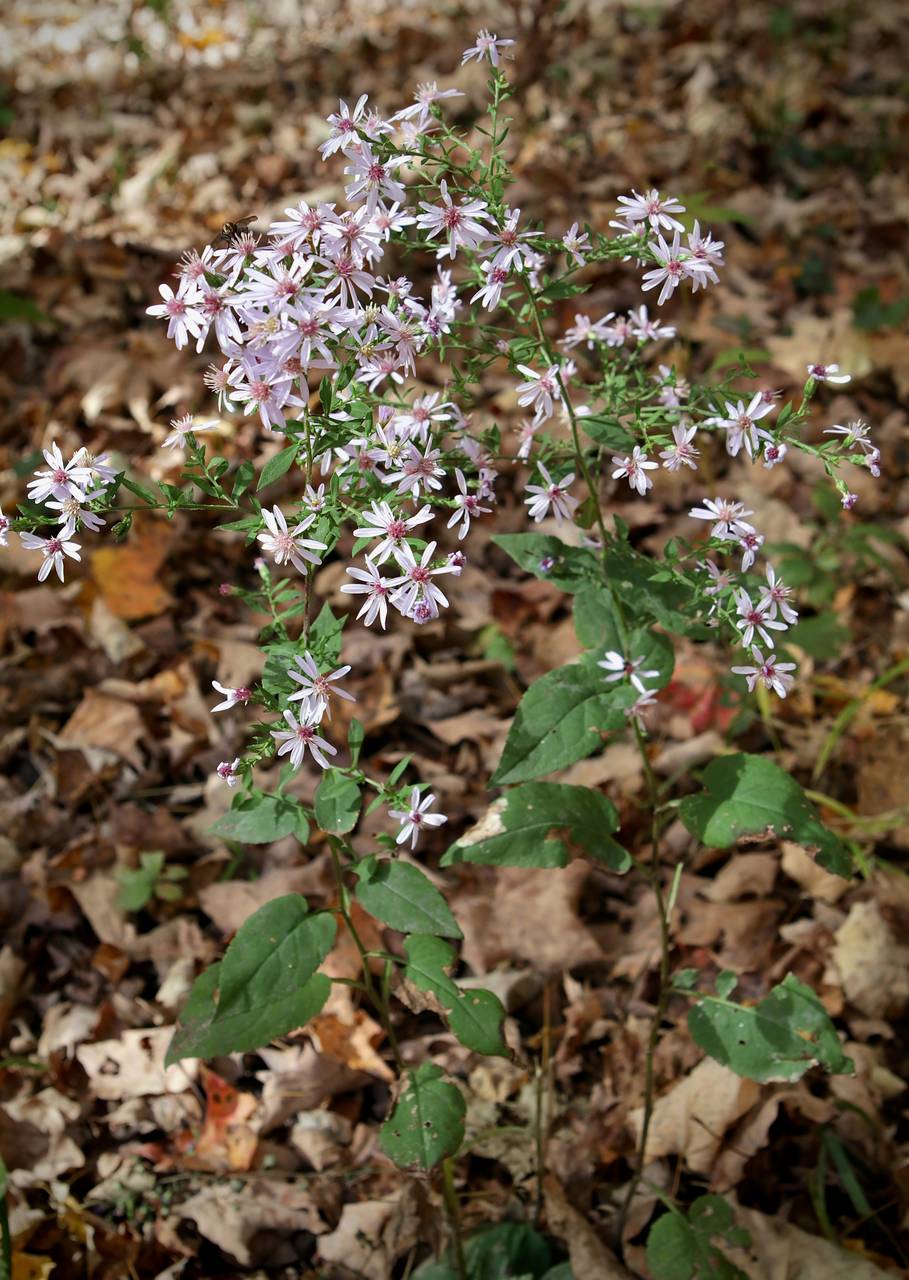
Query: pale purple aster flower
[[414, 819], [636, 711], [646, 330], [184, 319], [418, 471], [460, 223], [300, 737], [181, 428], [344, 123], [420, 109], [739, 424], [755, 618], [285, 544], [776, 596], [4, 529], [634, 469], [751, 544], [651, 208], [709, 252], [772, 674], [576, 243], [59, 479], [674, 266], [729, 517], [377, 590], [853, 433], [828, 373], [774, 453], [552, 494], [622, 668], [317, 689], [681, 452], [467, 507], [381, 521], [540, 390], [415, 586], [70, 509], [486, 46], [491, 292], [227, 772], [53, 549], [231, 697]]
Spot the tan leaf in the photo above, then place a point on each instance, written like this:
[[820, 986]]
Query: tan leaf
[[691, 1119], [127, 574], [873, 966]]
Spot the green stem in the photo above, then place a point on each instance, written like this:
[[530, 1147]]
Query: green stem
[[454, 1216]]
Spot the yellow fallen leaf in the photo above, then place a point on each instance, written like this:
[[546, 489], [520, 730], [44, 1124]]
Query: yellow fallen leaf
[[127, 575], [31, 1266]]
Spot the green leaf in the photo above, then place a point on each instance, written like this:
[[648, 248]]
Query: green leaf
[[325, 636], [137, 884], [649, 598], [245, 474], [750, 795], [337, 802], [13, 307], [262, 818], [821, 637], [277, 466], [595, 621], [607, 431], [778, 1039], [355, 738], [562, 717], [403, 897], [427, 1121], [572, 568], [265, 986], [680, 1248], [536, 825], [475, 1016]]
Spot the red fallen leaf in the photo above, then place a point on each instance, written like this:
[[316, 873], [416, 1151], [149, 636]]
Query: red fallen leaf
[[224, 1140]]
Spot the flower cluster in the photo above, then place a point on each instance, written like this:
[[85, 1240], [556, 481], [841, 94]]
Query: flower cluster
[[326, 347]]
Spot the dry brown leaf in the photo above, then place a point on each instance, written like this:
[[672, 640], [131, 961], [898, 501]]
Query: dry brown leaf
[[692, 1118], [133, 1065], [781, 1251], [232, 1219], [744, 873], [107, 724], [371, 1236], [873, 967], [127, 575], [590, 1258], [810, 875]]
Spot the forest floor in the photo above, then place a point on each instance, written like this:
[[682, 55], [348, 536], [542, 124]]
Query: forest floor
[[132, 132]]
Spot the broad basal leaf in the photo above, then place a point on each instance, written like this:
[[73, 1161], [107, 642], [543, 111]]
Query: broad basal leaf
[[777, 1039], [683, 1248], [260, 819], [475, 1016], [568, 568], [403, 897], [750, 795], [562, 718], [533, 825], [427, 1122], [337, 802], [265, 986]]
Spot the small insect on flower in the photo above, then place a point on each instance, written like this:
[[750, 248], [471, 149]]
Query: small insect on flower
[[232, 231], [414, 819]]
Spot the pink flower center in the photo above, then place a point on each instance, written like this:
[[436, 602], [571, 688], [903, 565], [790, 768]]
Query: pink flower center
[[306, 733], [60, 476], [212, 304], [54, 546], [284, 546], [397, 529], [376, 172], [419, 574], [175, 306], [452, 217]]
